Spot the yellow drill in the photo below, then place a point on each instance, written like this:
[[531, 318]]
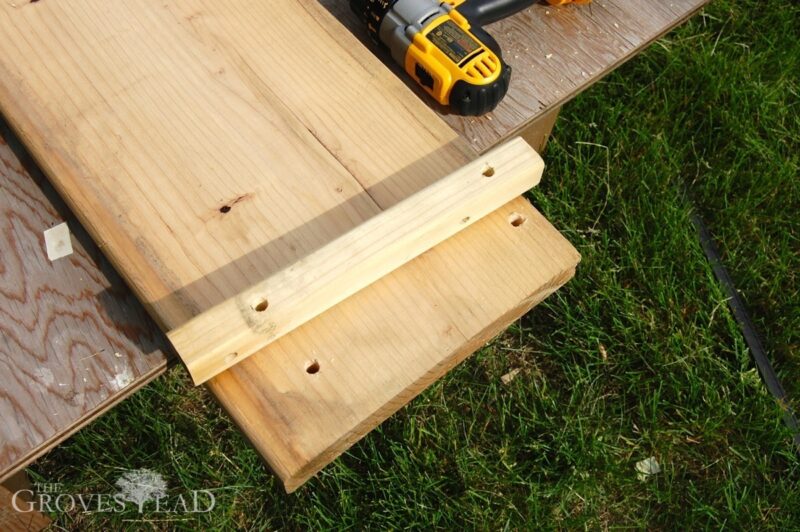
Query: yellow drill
[[443, 46]]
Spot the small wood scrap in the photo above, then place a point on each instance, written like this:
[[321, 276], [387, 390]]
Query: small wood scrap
[[510, 376]]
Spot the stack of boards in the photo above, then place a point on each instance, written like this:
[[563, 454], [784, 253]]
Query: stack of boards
[[214, 149]]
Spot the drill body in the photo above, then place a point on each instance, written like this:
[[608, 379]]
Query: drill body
[[443, 46]]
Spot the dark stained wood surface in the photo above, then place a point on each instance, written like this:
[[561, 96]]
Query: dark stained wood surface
[[73, 339], [556, 52]]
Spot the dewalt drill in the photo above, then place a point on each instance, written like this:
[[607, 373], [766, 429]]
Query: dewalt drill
[[443, 46]]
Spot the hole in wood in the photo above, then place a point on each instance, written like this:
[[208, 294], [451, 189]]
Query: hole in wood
[[312, 367], [488, 172], [225, 209], [516, 219], [261, 306]]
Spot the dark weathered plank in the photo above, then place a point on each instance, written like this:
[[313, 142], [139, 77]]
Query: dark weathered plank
[[556, 53], [73, 339]]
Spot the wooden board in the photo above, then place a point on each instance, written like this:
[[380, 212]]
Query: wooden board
[[73, 339], [235, 329], [18, 508], [151, 139], [325, 386], [27, 520], [556, 52], [206, 145], [529, 101]]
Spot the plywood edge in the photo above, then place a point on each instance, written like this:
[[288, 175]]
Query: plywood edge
[[230, 332], [56, 439], [559, 99]]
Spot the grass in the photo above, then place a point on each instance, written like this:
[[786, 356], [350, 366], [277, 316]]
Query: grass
[[638, 356]]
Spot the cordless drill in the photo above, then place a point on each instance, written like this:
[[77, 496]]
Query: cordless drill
[[443, 46]]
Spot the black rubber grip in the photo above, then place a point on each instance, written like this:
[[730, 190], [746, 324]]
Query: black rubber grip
[[467, 99]]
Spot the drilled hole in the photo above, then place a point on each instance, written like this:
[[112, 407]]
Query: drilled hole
[[261, 306], [225, 209], [488, 172], [312, 367], [516, 219]]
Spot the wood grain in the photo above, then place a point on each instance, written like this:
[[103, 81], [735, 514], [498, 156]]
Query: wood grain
[[204, 150], [556, 52], [320, 391], [13, 521], [73, 339], [228, 333], [538, 132]]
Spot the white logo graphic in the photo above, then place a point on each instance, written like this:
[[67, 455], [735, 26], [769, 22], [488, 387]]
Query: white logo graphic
[[141, 486]]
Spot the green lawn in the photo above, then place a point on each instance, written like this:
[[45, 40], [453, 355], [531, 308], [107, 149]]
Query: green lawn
[[638, 356]]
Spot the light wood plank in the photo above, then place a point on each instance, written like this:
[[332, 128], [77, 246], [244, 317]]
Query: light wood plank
[[205, 150], [538, 132], [230, 332], [300, 421], [18, 511]]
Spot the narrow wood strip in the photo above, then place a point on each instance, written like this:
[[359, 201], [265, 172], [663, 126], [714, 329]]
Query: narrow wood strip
[[235, 329]]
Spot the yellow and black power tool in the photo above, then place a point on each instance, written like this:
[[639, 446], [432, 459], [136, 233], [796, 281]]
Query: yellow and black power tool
[[443, 46]]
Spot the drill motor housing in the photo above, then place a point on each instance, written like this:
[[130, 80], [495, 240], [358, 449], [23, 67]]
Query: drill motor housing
[[442, 45]]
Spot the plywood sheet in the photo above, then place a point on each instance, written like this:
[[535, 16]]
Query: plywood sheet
[[556, 52], [73, 339]]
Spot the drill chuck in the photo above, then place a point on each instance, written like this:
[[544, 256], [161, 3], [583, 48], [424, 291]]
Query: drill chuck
[[372, 13]]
